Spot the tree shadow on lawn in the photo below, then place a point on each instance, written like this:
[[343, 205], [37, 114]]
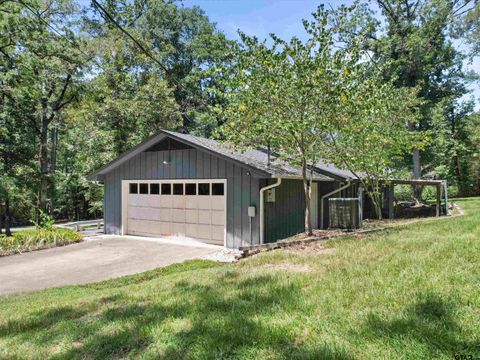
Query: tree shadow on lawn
[[222, 320], [430, 322]]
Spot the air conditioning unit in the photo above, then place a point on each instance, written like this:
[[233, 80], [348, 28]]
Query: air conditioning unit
[[344, 213]]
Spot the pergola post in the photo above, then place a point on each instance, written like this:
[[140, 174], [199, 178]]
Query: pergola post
[[391, 196], [439, 194], [445, 191]]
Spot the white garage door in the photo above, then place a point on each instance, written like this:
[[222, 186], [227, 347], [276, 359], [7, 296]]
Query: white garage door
[[181, 208]]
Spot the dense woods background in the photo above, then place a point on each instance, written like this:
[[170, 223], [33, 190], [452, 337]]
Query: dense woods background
[[80, 85]]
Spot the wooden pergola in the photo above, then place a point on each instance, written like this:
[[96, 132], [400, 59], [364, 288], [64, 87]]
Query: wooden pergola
[[439, 184]]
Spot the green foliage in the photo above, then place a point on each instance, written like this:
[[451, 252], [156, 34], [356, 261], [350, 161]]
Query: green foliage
[[370, 131], [411, 41], [28, 240], [456, 147], [45, 221], [468, 27]]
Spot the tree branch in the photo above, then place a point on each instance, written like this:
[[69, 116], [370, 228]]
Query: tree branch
[[58, 103]]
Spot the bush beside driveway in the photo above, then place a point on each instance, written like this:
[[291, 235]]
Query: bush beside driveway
[[36, 239]]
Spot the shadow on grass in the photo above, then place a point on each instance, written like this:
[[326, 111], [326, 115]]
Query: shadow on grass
[[430, 322], [228, 318], [189, 265]]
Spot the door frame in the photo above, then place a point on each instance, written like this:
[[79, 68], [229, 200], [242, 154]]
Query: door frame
[[125, 189]]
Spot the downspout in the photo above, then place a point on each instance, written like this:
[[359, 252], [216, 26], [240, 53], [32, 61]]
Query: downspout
[[262, 207], [349, 182]]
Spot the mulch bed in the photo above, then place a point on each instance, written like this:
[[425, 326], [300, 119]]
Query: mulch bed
[[302, 241]]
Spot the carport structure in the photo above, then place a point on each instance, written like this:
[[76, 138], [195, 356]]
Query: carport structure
[[440, 185]]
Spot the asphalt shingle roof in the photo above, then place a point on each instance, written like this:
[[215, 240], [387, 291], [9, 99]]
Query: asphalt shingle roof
[[253, 158], [256, 158]]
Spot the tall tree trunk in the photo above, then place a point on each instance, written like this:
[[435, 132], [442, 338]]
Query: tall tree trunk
[[308, 195], [377, 203], [53, 164], [459, 176], [53, 150], [417, 173], [43, 164], [8, 217], [373, 192]]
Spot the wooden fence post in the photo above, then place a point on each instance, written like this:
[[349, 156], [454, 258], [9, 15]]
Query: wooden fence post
[[439, 191]]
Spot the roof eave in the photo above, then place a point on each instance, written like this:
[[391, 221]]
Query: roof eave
[[296, 177], [333, 175]]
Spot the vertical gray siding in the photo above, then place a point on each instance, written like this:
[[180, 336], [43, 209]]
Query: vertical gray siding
[[286, 216], [242, 189]]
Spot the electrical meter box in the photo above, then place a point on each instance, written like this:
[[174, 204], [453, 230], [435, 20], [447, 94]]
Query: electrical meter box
[[251, 211]]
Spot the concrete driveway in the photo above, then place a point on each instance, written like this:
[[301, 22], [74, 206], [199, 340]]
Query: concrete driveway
[[104, 258]]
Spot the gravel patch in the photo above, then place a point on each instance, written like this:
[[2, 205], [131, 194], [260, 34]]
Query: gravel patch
[[224, 255]]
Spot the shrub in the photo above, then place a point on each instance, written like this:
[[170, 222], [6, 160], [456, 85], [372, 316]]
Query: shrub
[[29, 240], [45, 222]]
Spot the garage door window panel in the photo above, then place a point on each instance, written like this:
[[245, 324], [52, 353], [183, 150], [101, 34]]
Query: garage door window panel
[[166, 189], [177, 189], [190, 189], [143, 188], [204, 189], [133, 188], [154, 189], [218, 189]]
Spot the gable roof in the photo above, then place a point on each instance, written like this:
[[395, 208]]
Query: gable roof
[[255, 160]]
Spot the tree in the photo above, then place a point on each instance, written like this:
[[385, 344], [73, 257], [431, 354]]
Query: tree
[[282, 96], [49, 69], [411, 42], [182, 40], [457, 145], [128, 110], [468, 27], [369, 130]]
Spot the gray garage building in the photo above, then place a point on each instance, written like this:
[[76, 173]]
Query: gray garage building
[[175, 184]]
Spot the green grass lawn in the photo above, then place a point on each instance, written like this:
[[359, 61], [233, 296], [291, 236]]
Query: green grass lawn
[[409, 293]]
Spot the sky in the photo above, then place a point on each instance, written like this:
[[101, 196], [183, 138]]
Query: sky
[[258, 17], [282, 17]]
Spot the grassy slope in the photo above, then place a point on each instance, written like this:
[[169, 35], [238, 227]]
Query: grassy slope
[[409, 293]]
